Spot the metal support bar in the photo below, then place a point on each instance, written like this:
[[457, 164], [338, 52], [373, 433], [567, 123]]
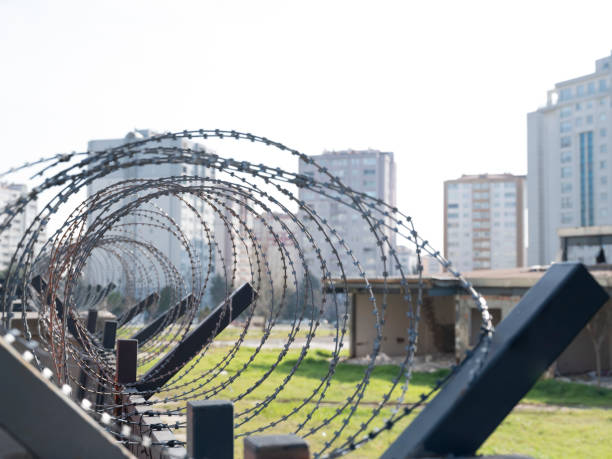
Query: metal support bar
[[195, 340], [163, 320], [138, 308], [43, 419], [210, 429], [482, 393], [127, 352], [275, 447]]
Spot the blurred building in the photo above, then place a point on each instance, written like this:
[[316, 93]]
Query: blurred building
[[368, 171], [484, 221], [407, 260], [569, 160], [9, 193], [145, 226]]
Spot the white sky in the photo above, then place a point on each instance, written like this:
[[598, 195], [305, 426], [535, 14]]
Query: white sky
[[444, 85]]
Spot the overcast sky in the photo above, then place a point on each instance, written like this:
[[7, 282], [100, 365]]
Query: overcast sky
[[446, 86]]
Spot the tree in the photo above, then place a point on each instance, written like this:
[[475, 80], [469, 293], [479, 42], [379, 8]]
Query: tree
[[217, 290], [599, 329], [165, 297]]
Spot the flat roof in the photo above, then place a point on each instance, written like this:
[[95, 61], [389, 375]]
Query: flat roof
[[514, 279], [580, 231]]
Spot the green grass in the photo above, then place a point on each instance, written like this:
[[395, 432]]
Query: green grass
[[543, 428]]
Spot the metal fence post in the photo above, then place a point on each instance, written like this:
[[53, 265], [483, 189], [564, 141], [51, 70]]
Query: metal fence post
[[92, 318], [210, 429], [110, 333], [275, 447], [127, 352]]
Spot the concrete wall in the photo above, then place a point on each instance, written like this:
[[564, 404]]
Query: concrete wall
[[436, 326], [451, 324]]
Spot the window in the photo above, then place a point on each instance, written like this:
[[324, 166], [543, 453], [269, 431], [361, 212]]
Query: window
[[579, 121], [453, 225], [369, 172], [369, 183], [591, 87], [603, 212], [453, 215], [566, 187], [580, 90], [452, 186], [589, 119], [603, 148], [565, 112], [603, 164], [603, 132], [481, 214], [603, 196], [602, 116], [453, 206], [604, 180], [566, 202], [566, 218], [578, 107], [603, 101], [481, 205], [566, 156], [565, 94], [481, 195], [369, 161], [589, 104], [565, 126], [509, 204], [566, 172], [603, 85], [566, 141]]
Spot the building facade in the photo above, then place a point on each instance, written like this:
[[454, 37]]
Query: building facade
[[9, 193], [371, 172], [484, 224], [569, 160], [143, 226]]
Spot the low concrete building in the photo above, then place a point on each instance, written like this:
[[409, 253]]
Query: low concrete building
[[449, 320]]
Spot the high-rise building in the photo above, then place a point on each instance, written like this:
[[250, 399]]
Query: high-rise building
[[569, 160], [484, 221], [9, 193], [371, 172], [407, 259], [144, 226]]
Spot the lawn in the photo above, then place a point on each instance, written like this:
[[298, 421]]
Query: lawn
[[555, 419]]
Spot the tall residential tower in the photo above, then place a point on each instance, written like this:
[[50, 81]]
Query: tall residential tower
[[569, 183], [371, 172], [484, 221]]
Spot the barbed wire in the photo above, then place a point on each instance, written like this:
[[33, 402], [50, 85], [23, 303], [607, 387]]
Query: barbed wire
[[233, 219]]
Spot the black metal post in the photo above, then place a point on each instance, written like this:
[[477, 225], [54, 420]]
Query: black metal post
[[110, 333], [92, 319], [275, 447], [210, 429], [127, 352], [482, 392]]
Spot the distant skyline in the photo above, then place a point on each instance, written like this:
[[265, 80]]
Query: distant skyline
[[446, 86]]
